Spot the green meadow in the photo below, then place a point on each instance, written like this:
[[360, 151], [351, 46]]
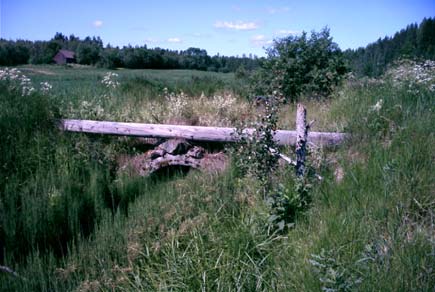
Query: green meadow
[[71, 221]]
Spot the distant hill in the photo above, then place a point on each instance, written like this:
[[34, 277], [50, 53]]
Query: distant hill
[[413, 42]]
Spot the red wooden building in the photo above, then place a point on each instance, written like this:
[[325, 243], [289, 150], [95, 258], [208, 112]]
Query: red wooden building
[[64, 57]]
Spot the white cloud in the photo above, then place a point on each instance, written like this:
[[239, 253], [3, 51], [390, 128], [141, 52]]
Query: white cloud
[[201, 35], [97, 23], [272, 10], [175, 40], [287, 32], [239, 25], [261, 40], [150, 41]]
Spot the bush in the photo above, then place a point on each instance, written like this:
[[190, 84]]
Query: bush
[[299, 65], [257, 156]]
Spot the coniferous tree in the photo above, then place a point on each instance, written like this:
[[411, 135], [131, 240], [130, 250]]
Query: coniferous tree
[[413, 42]]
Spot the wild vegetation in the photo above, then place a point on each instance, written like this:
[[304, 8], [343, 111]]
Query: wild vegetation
[[71, 221]]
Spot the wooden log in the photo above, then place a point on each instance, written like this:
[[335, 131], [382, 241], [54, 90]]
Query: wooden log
[[302, 134], [175, 146], [155, 160], [171, 160], [194, 133]]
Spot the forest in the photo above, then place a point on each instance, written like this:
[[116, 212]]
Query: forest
[[413, 42], [90, 51]]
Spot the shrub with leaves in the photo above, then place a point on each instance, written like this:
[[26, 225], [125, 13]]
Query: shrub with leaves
[[255, 152], [257, 156], [333, 274], [301, 65], [286, 202]]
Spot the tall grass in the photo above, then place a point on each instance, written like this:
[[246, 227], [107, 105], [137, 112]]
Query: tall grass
[[85, 228], [136, 84], [50, 188], [379, 218]]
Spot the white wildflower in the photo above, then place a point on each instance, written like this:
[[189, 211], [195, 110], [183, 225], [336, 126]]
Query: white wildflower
[[45, 87], [377, 107], [414, 73], [177, 103], [17, 81], [110, 80]]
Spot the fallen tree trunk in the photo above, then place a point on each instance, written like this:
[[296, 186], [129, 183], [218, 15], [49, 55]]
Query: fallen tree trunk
[[193, 133], [174, 152]]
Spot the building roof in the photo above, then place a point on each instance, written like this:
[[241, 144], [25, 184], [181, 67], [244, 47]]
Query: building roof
[[67, 54]]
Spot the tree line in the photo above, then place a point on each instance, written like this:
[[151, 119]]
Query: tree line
[[90, 51], [416, 41], [413, 42]]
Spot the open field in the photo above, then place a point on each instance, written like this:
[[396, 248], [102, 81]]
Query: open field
[[144, 84], [78, 89], [69, 221]]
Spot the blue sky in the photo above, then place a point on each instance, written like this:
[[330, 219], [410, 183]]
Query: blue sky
[[225, 27]]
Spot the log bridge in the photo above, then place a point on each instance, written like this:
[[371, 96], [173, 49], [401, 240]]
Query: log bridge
[[192, 133], [178, 151]]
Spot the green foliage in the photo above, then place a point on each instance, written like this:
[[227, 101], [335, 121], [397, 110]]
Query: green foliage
[[288, 201], [241, 73], [24, 119], [257, 156], [413, 42], [388, 175], [302, 65], [13, 53], [110, 59], [333, 275], [47, 191], [88, 51], [256, 151]]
